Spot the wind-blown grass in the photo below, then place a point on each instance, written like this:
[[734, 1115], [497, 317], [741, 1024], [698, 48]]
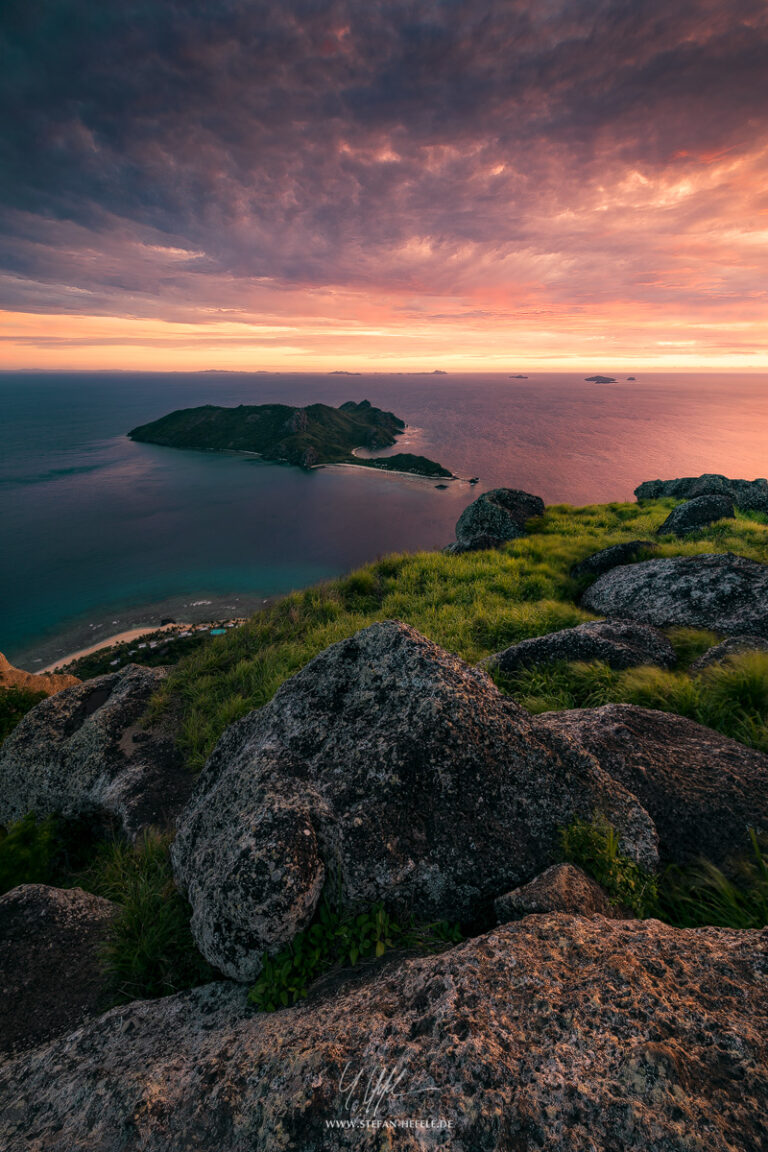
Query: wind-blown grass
[[474, 604]]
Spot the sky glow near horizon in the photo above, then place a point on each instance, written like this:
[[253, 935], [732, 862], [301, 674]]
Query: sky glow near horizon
[[380, 185]]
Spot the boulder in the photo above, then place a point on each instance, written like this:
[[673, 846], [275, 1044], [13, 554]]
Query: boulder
[[50, 977], [724, 592], [495, 517], [85, 751], [618, 643], [390, 770], [608, 558], [703, 790], [696, 513], [746, 494], [48, 682], [556, 1032], [561, 888], [733, 646]]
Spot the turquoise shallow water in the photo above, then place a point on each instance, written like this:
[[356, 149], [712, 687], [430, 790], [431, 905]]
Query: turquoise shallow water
[[99, 533]]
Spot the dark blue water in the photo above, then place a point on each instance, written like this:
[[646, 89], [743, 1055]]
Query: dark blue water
[[98, 531]]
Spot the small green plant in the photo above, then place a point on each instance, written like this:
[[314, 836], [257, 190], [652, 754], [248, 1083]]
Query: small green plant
[[149, 951], [336, 939], [594, 846], [14, 705]]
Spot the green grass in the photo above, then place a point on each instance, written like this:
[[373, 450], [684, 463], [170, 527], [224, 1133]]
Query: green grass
[[594, 846], [149, 951], [474, 604], [14, 705], [44, 851], [691, 897], [731, 697]]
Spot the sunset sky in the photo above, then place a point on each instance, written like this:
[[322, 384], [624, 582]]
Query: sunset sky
[[382, 185]]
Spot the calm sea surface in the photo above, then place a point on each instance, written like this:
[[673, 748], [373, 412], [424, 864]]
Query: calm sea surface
[[98, 533]]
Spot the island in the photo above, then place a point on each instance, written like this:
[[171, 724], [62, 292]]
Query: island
[[518, 376], [600, 380], [283, 434]]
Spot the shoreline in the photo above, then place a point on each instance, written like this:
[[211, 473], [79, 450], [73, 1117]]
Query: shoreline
[[110, 642], [105, 628]]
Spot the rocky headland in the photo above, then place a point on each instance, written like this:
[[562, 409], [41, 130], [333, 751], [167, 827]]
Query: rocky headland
[[464, 865]]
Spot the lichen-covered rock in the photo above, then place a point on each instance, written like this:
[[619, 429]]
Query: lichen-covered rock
[[556, 1032], [50, 975], [746, 494], [561, 888], [732, 646], [618, 643], [724, 592], [612, 557], [696, 513], [495, 517], [702, 789], [84, 750], [393, 770]]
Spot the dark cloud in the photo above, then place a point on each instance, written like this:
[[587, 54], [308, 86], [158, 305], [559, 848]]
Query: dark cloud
[[157, 152]]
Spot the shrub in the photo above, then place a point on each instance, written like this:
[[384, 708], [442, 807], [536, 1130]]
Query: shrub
[[14, 705], [44, 851], [337, 939]]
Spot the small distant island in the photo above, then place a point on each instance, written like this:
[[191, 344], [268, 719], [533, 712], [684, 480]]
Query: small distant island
[[600, 380], [518, 376], [283, 434]]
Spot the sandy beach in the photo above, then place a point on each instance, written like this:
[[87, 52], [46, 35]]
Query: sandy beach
[[109, 641]]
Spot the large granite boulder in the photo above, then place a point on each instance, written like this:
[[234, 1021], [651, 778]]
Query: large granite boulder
[[726, 649], [561, 888], [703, 790], [495, 517], [696, 513], [50, 975], [607, 558], [618, 643], [86, 751], [724, 592], [392, 771], [556, 1032], [746, 494]]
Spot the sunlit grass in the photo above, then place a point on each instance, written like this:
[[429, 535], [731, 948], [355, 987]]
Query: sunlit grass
[[473, 604]]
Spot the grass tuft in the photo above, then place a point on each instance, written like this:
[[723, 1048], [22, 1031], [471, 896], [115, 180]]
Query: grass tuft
[[149, 951]]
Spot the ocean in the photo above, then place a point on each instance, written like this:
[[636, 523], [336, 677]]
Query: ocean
[[101, 534]]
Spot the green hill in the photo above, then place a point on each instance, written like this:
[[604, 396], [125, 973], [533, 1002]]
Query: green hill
[[317, 434]]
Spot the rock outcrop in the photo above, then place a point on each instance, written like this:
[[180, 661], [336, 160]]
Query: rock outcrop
[[494, 518], [733, 646], [724, 592], [50, 976], [612, 557], [703, 790], [618, 643], [84, 750], [48, 682], [561, 888], [696, 513], [556, 1032], [392, 771], [746, 494]]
